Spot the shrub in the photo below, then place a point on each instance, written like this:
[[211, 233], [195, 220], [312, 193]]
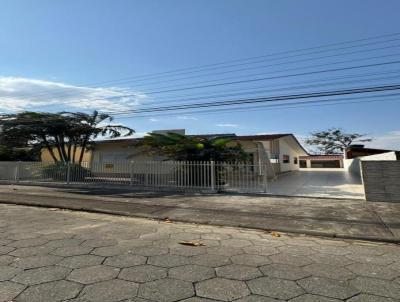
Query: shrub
[[59, 171]]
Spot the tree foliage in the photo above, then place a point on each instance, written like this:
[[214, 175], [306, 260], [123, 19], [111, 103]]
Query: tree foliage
[[334, 140], [63, 134], [191, 148], [8, 153]]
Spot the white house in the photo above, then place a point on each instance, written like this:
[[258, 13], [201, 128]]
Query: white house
[[281, 152]]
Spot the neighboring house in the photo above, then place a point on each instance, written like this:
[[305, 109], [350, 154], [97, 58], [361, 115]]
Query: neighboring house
[[357, 153], [281, 152], [321, 161], [354, 151]]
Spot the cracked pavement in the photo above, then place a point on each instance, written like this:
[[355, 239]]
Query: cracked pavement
[[51, 255]]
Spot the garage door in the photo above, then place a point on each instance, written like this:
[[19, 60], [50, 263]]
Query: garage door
[[325, 164]]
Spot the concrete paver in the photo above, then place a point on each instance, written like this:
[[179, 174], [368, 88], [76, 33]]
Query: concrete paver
[[124, 259]]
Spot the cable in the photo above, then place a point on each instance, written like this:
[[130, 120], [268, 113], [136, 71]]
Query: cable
[[254, 108], [285, 88], [263, 56], [271, 65], [266, 99], [201, 94]]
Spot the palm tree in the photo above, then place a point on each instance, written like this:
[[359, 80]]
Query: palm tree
[[195, 148], [62, 133], [87, 127]]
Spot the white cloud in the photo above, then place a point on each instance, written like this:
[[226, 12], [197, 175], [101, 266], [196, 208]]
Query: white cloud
[[153, 119], [389, 140], [18, 94], [184, 117], [227, 125]]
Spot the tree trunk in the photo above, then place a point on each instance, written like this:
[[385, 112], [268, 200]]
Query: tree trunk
[[50, 149], [82, 151], [62, 144], [74, 153], [69, 150], [58, 146]]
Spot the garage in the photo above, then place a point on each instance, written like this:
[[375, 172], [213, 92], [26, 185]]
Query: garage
[[321, 161]]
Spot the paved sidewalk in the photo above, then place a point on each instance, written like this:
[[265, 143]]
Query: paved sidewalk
[[49, 255], [327, 217]]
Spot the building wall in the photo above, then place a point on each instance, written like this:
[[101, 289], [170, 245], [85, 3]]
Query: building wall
[[46, 157], [381, 180], [285, 149], [382, 156], [353, 165]]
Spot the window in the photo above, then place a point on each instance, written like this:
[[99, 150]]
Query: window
[[286, 159], [295, 161]]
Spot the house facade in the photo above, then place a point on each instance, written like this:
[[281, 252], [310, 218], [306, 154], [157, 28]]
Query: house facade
[[280, 152]]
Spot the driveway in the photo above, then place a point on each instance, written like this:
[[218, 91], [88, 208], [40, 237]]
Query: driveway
[[62, 256], [330, 183]]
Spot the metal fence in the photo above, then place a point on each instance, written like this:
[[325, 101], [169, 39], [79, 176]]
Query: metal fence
[[149, 175]]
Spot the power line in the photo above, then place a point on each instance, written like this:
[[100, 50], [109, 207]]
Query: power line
[[265, 99], [272, 65], [202, 95], [263, 56], [285, 88], [260, 107], [274, 72], [266, 78]]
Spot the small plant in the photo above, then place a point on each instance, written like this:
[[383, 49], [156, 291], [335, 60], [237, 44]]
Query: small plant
[[59, 171]]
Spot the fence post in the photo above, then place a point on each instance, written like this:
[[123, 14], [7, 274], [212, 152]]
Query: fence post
[[146, 175], [68, 173], [17, 171], [131, 172], [265, 178], [212, 168]]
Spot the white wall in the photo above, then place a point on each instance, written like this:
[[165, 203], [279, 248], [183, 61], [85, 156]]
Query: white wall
[[353, 166], [286, 149], [382, 156]]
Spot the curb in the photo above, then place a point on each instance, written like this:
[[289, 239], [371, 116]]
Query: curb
[[283, 230]]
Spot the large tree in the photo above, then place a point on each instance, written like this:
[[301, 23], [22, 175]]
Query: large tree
[[334, 140], [62, 134], [194, 148]]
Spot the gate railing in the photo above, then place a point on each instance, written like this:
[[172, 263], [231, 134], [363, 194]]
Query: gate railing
[[149, 175]]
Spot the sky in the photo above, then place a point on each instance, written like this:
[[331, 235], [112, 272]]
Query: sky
[[118, 55]]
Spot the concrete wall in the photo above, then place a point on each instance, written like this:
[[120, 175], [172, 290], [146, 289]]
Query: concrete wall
[[381, 180], [353, 166]]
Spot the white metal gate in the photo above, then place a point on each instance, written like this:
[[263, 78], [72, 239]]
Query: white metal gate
[[149, 175]]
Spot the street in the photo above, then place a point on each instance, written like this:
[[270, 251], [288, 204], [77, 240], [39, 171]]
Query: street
[[51, 255]]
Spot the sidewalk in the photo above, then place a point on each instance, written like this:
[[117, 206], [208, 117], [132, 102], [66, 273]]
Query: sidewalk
[[326, 217]]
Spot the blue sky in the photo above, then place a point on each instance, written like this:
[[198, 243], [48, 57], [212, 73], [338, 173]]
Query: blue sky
[[54, 55]]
